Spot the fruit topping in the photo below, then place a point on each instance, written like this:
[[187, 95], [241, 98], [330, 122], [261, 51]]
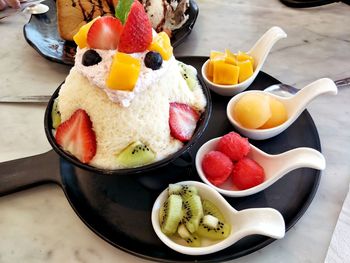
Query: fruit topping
[[189, 74], [76, 135], [217, 167], [210, 209], [136, 154], [124, 72], [247, 173], [252, 110], [227, 68], [137, 32], [80, 38], [217, 233], [278, 114], [198, 218], [230, 158], [161, 44], [182, 121], [225, 73], [259, 111], [210, 221], [234, 146], [90, 58], [193, 212], [105, 33], [183, 190], [170, 214], [192, 240], [153, 60], [55, 114]]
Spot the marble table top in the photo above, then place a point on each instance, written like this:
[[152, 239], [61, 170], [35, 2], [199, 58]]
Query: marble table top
[[38, 225]]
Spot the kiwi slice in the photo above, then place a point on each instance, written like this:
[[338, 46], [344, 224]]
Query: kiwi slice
[[210, 209], [192, 240], [183, 190], [220, 232], [136, 154], [193, 212], [170, 214], [55, 114], [189, 74], [213, 225]]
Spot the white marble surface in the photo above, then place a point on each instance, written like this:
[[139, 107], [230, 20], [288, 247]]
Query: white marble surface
[[38, 225]]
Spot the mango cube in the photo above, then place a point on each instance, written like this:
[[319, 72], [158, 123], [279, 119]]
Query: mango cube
[[241, 56], [278, 114], [224, 73], [80, 38], [252, 110], [230, 57], [161, 44], [124, 72], [214, 55], [245, 70]]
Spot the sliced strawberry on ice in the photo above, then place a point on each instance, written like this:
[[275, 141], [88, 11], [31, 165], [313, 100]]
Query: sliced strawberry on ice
[[137, 33], [182, 121], [76, 136], [105, 33]]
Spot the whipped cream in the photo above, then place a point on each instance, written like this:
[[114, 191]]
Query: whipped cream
[[97, 74]]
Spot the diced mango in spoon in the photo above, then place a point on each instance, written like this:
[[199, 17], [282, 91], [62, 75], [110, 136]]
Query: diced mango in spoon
[[224, 73], [241, 64], [214, 55], [245, 70]]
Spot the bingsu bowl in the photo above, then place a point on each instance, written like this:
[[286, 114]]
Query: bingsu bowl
[[127, 105]]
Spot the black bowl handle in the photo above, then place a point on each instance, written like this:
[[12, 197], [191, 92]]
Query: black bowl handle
[[26, 172]]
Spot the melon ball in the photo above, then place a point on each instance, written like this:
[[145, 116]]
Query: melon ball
[[278, 114], [252, 110]]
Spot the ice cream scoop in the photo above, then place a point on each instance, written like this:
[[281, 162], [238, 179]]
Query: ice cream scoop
[[294, 105], [261, 221], [259, 52], [275, 166]]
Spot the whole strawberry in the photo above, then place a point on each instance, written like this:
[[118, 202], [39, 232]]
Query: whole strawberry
[[137, 32]]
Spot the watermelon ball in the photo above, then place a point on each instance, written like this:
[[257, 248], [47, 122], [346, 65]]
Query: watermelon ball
[[217, 167], [234, 146], [247, 173]]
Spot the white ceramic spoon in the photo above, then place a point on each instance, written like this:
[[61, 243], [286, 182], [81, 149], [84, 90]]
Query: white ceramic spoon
[[295, 105], [259, 52], [262, 221], [275, 166]]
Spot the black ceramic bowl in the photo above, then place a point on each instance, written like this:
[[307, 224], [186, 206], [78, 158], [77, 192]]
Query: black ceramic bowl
[[178, 158]]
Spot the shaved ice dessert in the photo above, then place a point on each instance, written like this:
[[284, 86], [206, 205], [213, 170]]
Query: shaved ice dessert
[[127, 101]]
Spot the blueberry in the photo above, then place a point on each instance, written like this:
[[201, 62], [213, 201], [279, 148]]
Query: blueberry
[[91, 57], [153, 60]]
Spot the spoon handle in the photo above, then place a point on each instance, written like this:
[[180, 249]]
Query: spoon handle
[[294, 159], [263, 46], [298, 103], [262, 221]]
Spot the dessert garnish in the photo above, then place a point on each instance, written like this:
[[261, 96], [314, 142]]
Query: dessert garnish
[[227, 68], [182, 121], [230, 160], [77, 136], [153, 60], [90, 58], [259, 111], [186, 216]]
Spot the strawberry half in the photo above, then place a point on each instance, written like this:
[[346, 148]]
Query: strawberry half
[[105, 33], [137, 33], [182, 121], [76, 136]]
